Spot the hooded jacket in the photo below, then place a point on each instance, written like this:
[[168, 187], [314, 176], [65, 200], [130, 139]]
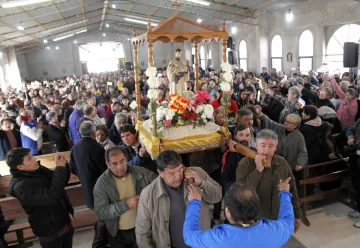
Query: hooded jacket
[[41, 193], [31, 137], [311, 130]]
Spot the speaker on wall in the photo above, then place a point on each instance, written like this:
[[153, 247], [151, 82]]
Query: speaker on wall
[[235, 58], [128, 66], [229, 43], [230, 57], [351, 54]]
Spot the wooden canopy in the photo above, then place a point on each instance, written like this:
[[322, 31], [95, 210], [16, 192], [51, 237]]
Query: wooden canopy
[[176, 29], [180, 29]]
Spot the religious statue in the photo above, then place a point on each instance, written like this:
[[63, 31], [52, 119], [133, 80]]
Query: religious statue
[[177, 72]]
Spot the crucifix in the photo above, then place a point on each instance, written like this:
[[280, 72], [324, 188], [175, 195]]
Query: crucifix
[[176, 5]]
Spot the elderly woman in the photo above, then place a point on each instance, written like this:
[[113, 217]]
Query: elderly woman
[[289, 102], [31, 133], [219, 116], [348, 107], [102, 137], [57, 133], [291, 144]]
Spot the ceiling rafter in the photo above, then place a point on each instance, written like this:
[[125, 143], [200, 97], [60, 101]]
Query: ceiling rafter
[[263, 4], [34, 19], [127, 12], [103, 17], [83, 11], [58, 12]]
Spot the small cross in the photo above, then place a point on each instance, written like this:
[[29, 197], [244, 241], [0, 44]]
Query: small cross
[[176, 5]]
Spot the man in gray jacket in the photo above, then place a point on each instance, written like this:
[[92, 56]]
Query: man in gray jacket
[[162, 206], [116, 196]]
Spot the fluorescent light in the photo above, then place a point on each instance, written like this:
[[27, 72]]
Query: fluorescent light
[[199, 20], [140, 22], [57, 47], [107, 25], [113, 6], [199, 2], [75, 41], [45, 41], [47, 48], [289, 16], [63, 37], [104, 34], [21, 3], [20, 27], [81, 31]]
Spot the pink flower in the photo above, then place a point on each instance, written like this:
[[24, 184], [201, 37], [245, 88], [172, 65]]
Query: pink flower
[[167, 123]]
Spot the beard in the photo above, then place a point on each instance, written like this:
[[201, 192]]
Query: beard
[[244, 143]]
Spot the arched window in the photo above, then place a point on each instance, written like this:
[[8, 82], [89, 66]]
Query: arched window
[[335, 48], [202, 58], [306, 51], [243, 55], [276, 53]]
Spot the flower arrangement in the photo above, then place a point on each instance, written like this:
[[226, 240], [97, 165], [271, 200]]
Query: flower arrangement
[[190, 109], [226, 85]]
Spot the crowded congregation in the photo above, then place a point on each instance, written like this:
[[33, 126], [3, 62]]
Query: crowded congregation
[[226, 124]]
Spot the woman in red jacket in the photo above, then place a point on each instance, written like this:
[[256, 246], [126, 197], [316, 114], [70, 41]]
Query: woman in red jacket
[[219, 101]]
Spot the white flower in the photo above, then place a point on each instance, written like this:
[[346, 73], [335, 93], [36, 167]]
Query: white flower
[[225, 86], [226, 67], [153, 82], [208, 111], [228, 77], [151, 72], [199, 109], [170, 112], [168, 117], [203, 116], [152, 94]]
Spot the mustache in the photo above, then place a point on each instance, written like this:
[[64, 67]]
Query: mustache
[[244, 143]]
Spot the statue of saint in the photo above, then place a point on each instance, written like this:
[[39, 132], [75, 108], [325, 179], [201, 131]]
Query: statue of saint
[[177, 72]]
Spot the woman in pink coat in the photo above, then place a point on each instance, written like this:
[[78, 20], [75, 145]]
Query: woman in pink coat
[[348, 107]]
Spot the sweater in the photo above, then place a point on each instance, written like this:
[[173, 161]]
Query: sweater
[[233, 108], [265, 233], [346, 112]]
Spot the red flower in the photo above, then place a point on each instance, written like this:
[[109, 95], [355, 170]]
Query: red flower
[[202, 97], [187, 115], [194, 116]]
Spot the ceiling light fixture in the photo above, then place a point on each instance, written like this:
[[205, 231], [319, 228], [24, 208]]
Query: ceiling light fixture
[[107, 25], [75, 41], [140, 21], [57, 47], [129, 38], [289, 16], [21, 3], [63, 37], [200, 2], [20, 27], [0, 54], [81, 31], [47, 48], [104, 34], [199, 20], [233, 29], [45, 41], [113, 6]]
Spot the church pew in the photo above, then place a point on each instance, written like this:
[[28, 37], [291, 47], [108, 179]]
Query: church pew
[[21, 234], [342, 171]]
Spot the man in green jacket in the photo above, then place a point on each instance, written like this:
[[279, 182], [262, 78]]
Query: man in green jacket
[[116, 196], [265, 180]]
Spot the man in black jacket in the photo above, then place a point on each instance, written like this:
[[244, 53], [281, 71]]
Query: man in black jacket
[[41, 193], [87, 161]]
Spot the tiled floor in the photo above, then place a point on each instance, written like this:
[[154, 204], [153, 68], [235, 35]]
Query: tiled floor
[[330, 228]]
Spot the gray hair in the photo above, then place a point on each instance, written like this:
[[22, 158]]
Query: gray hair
[[79, 105], [295, 90], [120, 116], [344, 85], [50, 115], [114, 148], [87, 129], [267, 134]]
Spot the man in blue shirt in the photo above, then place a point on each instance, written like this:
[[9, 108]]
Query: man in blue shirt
[[242, 205]]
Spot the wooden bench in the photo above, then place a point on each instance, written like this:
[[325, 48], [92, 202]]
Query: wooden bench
[[21, 233], [342, 171], [4, 184]]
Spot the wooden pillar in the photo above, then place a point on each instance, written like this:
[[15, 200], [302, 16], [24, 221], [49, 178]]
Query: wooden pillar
[[196, 67], [150, 54], [224, 50], [136, 76]]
